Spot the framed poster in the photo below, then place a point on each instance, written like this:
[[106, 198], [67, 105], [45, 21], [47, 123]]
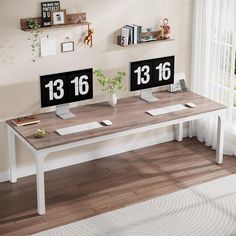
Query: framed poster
[[58, 17], [67, 46], [46, 8]]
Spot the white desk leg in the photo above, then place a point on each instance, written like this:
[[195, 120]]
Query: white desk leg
[[190, 128], [39, 159], [12, 155], [220, 139], [179, 132]]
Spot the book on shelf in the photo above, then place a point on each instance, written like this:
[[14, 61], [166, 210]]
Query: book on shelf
[[26, 120], [125, 36], [139, 33], [135, 35], [131, 34]]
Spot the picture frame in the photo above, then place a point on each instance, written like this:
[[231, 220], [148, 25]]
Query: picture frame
[[67, 46], [58, 17], [183, 85], [46, 8]]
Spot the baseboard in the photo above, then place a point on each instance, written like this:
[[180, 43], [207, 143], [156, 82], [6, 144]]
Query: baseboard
[[92, 155], [4, 176]]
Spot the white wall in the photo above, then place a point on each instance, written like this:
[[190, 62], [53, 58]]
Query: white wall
[[19, 76]]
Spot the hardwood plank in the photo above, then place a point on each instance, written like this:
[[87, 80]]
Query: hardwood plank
[[200, 178], [158, 191], [23, 223], [130, 186], [113, 202], [30, 229]]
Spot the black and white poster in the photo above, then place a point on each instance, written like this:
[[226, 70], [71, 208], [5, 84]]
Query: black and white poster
[[46, 8]]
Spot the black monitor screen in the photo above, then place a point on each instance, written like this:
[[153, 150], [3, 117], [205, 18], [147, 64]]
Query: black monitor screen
[[152, 73], [66, 87]]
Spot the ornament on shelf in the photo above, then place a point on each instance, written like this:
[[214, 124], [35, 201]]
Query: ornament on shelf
[[165, 29], [149, 35], [88, 40]]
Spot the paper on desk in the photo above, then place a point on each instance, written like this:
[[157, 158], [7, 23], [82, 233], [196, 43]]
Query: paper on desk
[[48, 46]]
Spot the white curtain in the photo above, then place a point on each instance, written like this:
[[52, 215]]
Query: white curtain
[[213, 65]]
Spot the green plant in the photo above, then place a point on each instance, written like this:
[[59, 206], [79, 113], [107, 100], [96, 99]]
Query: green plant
[[32, 23], [110, 85], [34, 37]]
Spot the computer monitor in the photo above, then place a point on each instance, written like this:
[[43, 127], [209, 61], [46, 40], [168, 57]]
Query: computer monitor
[[151, 73], [64, 88]]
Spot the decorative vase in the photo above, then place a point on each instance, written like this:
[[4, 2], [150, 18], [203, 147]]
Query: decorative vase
[[112, 99]]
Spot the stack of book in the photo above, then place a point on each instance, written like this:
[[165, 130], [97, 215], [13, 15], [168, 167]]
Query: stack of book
[[131, 34], [26, 120]]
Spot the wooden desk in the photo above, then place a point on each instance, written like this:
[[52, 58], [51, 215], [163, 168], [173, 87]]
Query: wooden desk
[[128, 117]]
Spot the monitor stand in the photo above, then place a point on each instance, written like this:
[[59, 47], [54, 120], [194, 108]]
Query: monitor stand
[[63, 111], [147, 96]]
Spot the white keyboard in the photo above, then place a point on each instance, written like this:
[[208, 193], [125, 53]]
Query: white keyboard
[[79, 128], [165, 110]]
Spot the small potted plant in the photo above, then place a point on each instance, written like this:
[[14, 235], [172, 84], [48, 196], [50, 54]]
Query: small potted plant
[[110, 85], [34, 38]]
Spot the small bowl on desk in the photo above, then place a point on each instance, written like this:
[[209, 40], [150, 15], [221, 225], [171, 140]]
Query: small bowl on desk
[[40, 133]]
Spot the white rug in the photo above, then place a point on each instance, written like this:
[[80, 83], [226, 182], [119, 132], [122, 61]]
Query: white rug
[[207, 209]]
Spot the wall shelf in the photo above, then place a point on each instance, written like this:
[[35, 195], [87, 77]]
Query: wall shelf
[[147, 42], [59, 26], [155, 35], [72, 20]]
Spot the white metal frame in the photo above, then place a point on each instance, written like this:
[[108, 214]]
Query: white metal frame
[[40, 155]]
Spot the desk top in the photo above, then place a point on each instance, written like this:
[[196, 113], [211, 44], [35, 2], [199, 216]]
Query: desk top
[[129, 113]]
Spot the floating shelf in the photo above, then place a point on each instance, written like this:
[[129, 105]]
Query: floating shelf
[[147, 42], [72, 20], [156, 39], [59, 26]]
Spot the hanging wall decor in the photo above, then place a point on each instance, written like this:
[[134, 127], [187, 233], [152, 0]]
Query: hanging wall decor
[[46, 8], [58, 17], [88, 40], [68, 45]]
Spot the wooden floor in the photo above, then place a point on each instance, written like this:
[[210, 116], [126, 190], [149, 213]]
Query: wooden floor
[[91, 188]]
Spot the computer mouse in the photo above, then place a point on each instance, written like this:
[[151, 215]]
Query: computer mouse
[[190, 104], [106, 122]]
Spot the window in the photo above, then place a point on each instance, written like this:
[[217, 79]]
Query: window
[[225, 64]]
